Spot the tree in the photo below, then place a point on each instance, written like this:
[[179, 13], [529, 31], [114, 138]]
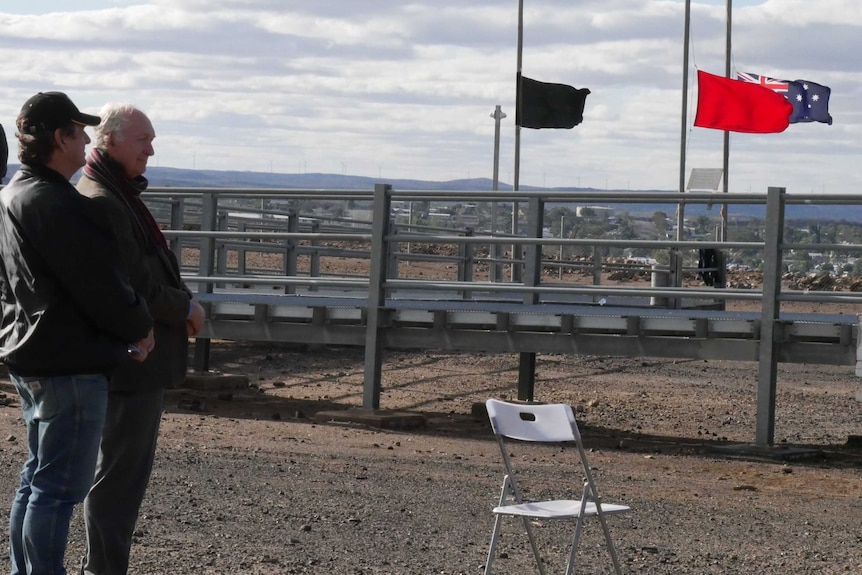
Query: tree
[[814, 230], [659, 220], [560, 215], [626, 227], [703, 226]]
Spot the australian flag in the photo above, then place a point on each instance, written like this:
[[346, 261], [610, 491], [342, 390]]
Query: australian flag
[[810, 100]]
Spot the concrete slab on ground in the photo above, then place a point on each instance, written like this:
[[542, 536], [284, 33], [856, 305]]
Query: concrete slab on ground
[[211, 381], [374, 418], [777, 453]]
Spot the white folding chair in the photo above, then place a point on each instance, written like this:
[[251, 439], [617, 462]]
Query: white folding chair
[[550, 423]]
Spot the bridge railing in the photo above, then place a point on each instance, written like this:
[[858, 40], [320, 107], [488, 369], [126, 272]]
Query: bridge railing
[[298, 241], [304, 250]]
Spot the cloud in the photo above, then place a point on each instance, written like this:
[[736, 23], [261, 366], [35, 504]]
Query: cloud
[[405, 89]]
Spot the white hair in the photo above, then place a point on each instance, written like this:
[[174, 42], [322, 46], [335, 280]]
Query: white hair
[[115, 118]]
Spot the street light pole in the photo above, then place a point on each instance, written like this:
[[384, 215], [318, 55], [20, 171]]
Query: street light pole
[[495, 249], [497, 115]]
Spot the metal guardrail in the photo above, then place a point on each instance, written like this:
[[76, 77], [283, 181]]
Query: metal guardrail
[[386, 308]]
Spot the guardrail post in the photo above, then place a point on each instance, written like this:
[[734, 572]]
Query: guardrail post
[[516, 257], [598, 256], [206, 265], [659, 278], [314, 264], [221, 248], [533, 252], [241, 253], [533, 277], [393, 249], [290, 250], [465, 263], [674, 276], [767, 364], [517, 260], [721, 280], [380, 225], [175, 243], [495, 272]]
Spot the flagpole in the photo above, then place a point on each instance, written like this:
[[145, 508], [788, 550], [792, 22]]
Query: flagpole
[[726, 165], [518, 112], [680, 212]]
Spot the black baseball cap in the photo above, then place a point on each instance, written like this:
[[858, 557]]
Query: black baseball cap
[[48, 111]]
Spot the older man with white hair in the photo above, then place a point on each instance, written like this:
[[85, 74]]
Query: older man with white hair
[[113, 177]]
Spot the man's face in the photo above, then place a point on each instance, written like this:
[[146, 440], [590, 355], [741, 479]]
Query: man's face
[[78, 145], [134, 146]]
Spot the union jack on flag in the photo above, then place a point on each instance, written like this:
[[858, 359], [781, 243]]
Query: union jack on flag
[[765, 81]]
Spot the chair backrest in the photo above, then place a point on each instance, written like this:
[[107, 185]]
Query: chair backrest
[[533, 422], [547, 423]]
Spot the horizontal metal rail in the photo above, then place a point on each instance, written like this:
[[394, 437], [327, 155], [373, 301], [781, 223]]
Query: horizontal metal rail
[[528, 314], [525, 241], [229, 234]]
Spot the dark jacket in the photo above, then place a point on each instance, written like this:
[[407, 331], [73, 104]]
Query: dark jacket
[[4, 154], [155, 275], [67, 305]]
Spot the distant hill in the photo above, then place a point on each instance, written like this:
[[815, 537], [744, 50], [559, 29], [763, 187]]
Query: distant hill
[[175, 177], [179, 177]]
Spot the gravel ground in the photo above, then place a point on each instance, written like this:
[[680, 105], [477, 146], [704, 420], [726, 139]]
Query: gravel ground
[[251, 482]]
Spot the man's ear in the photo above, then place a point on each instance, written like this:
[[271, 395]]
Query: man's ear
[[59, 139]]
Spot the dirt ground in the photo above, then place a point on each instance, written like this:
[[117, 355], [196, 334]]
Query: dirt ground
[[252, 481], [249, 481]]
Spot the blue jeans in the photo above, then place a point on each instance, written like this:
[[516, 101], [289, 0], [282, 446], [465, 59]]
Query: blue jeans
[[64, 416]]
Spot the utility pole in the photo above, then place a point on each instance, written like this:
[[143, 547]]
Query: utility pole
[[495, 249]]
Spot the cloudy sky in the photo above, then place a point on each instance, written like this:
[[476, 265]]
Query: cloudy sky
[[406, 89]]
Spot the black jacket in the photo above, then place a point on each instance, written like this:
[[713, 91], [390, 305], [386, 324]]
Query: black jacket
[[155, 275], [67, 305], [4, 154]]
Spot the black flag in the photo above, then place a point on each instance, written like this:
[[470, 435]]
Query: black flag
[[544, 105]]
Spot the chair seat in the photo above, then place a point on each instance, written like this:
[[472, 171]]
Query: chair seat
[[558, 509]]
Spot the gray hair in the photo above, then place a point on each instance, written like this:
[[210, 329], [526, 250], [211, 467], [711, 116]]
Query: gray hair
[[115, 118]]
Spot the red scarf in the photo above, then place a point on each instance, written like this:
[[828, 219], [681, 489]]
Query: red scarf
[[104, 170]]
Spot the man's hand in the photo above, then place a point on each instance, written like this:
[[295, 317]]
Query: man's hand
[[196, 319], [141, 349]]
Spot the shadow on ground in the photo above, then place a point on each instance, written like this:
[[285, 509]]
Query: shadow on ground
[[254, 404]]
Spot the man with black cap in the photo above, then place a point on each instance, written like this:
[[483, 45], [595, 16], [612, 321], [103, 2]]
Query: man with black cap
[[69, 319]]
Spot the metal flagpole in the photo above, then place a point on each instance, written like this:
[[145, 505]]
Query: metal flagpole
[[516, 275], [726, 165], [680, 212], [519, 111], [526, 360]]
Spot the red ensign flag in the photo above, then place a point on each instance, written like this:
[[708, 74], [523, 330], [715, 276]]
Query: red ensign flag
[[736, 106]]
